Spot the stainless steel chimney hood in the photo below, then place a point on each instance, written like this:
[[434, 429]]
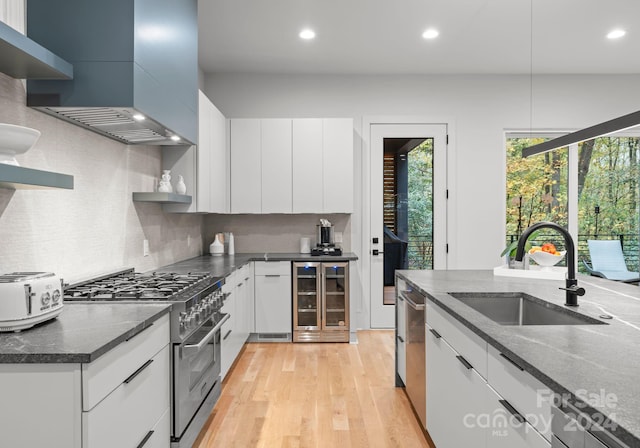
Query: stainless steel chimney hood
[[135, 67]]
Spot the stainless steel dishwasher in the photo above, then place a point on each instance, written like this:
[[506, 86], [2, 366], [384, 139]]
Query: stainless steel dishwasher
[[416, 354]]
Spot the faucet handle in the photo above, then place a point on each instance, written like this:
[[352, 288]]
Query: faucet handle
[[574, 289]]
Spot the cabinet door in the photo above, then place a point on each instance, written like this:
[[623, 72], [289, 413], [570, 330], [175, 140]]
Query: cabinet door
[[246, 171], [307, 165], [273, 303], [401, 337], [455, 397], [507, 430], [276, 166], [337, 165], [217, 173], [205, 133]]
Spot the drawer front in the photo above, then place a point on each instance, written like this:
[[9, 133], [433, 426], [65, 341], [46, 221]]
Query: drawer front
[[463, 340], [107, 372], [273, 268], [126, 415], [507, 432], [402, 360], [525, 393], [227, 355], [161, 435]]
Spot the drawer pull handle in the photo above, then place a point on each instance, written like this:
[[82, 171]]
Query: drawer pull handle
[[138, 332], [227, 335], [435, 333], [137, 372], [512, 361], [518, 416], [401, 339], [464, 362], [146, 438], [272, 275]]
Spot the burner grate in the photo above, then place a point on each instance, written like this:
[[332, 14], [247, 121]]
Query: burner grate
[[135, 286]]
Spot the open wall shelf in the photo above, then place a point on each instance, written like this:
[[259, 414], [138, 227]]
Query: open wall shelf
[[162, 198], [23, 58], [18, 177]]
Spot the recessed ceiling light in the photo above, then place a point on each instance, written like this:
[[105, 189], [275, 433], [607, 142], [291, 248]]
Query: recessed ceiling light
[[175, 138], [307, 34], [616, 34], [431, 33], [138, 117]]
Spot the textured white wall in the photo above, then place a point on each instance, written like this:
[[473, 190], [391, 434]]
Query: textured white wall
[[96, 227]]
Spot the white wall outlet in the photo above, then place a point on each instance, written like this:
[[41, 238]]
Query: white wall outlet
[[145, 248], [337, 237]]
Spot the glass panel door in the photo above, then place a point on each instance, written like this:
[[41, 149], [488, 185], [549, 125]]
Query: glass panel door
[[335, 300], [306, 313]]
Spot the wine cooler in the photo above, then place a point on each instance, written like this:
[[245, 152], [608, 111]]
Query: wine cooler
[[321, 302]]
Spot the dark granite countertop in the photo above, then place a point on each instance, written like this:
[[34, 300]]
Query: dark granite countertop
[[221, 266], [585, 361], [80, 334]]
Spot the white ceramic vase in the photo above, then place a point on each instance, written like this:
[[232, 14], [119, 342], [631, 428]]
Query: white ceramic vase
[[181, 188], [216, 248]]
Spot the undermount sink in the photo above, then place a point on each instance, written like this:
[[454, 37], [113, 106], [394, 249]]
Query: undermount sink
[[518, 308]]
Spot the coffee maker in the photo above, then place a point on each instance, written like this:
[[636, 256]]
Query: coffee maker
[[325, 240]]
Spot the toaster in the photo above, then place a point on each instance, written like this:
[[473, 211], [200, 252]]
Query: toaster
[[28, 298]]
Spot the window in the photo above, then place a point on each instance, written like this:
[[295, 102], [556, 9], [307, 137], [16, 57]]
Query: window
[[602, 202]]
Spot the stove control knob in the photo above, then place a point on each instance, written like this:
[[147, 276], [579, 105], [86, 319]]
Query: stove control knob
[[45, 299], [182, 320], [197, 316], [191, 320], [55, 297]]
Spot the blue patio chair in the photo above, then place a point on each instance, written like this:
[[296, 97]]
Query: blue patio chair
[[607, 261]]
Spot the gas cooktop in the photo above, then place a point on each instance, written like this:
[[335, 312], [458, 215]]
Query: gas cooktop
[[129, 285]]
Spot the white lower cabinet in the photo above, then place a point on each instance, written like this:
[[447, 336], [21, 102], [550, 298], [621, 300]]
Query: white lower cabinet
[[119, 400], [508, 409], [401, 343], [455, 396], [273, 297], [239, 305], [505, 428], [133, 408]]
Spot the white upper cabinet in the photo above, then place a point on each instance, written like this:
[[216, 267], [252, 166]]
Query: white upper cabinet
[[203, 161], [307, 165], [292, 166], [276, 166], [217, 174], [246, 166], [204, 166], [337, 165]]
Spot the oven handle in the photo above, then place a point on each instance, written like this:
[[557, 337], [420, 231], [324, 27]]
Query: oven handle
[[191, 349]]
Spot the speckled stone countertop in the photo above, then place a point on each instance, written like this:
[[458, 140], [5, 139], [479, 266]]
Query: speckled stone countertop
[[577, 359], [80, 334], [221, 266]]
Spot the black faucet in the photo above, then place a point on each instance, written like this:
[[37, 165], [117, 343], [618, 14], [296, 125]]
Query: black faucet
[[572, 289]]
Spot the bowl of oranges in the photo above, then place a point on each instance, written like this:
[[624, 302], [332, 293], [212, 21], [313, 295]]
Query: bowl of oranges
[[546, 255]]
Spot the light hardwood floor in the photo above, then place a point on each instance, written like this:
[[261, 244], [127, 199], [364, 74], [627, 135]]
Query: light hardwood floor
[[314, 395]]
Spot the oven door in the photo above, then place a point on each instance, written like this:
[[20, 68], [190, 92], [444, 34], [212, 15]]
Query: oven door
[[196, 368]]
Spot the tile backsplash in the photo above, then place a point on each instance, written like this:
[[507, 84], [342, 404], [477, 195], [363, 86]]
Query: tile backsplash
[[273, 233], [96, 227]]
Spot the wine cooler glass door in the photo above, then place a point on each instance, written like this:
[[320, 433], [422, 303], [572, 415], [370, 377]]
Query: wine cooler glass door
[[336, 312], [306, 313]]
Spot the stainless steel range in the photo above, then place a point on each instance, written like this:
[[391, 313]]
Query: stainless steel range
[[196, 320]]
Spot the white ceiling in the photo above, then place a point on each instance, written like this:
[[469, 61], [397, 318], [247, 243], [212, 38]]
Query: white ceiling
[[384, 36]]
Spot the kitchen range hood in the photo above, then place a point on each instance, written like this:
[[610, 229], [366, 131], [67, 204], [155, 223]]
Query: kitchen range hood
[[135, 65]]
